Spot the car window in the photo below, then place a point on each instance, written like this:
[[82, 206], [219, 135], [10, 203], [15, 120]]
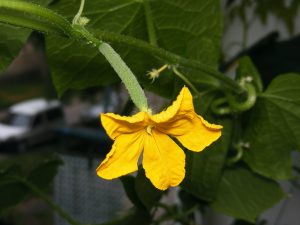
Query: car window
[[54, 114], [38, 120], [19, 120]]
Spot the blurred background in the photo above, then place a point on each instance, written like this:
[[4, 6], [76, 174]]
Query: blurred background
[[34, 121]]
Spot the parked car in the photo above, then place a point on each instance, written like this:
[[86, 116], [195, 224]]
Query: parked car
[[29, 123]]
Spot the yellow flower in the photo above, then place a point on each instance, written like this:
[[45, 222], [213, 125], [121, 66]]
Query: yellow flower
[[163, 160]]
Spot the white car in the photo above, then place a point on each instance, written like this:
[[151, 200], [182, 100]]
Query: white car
[[29, 123]]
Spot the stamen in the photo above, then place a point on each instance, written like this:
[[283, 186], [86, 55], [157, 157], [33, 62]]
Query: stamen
[[149, 129]]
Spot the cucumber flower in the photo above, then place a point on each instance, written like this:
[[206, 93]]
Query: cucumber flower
[[152, 135]]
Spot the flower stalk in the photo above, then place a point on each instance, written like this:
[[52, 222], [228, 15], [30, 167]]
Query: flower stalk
[[182, 77], [135, 91]]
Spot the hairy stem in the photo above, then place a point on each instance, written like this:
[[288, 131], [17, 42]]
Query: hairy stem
[[29, 23], [135, 91], [45, 14]]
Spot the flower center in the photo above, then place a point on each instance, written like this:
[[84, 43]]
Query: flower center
[[149, 129]]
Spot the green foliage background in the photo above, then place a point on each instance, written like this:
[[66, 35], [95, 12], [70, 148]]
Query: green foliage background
[[243, 188]]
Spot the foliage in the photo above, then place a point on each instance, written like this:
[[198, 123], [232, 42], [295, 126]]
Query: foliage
[[285, 11], [239, 174], [15, 178]]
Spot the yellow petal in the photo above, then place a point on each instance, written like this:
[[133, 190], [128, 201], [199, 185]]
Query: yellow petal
[[200, 135], [123, 157], [116, 125], [163, 160], [181, 121], [182, 106]]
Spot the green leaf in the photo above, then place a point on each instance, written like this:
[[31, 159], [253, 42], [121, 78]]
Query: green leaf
[[12, 188], [147, 193], [244, 195], [272, 128], [284, 12], [195, 33], [12, 191], [129, 187], [12, 40], [204, 169], [43, 174]]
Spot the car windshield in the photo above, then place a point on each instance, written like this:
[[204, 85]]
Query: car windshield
[[19, 120]]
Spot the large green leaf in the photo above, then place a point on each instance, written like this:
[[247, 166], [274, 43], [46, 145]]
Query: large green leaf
[[13, 188], [244, 195], [12, 191], [204, 169], [189, 28], [273, 129], [43, 174]]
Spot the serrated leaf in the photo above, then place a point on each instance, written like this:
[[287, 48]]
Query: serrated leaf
[[273, 129], [75, 66], [244, 195], [204, 169]]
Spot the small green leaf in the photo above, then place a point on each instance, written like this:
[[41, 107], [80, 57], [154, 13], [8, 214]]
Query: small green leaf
[[244, 195], [147, 193], [272, 128]]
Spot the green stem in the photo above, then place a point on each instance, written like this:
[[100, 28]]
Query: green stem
[[237, 157], [220, 107], [150, 23], [83, 33], [135, 91], [41, 12], [50, 202], [29, 23], [182, 77], [170, 58], [248, 103], [78, 15]]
